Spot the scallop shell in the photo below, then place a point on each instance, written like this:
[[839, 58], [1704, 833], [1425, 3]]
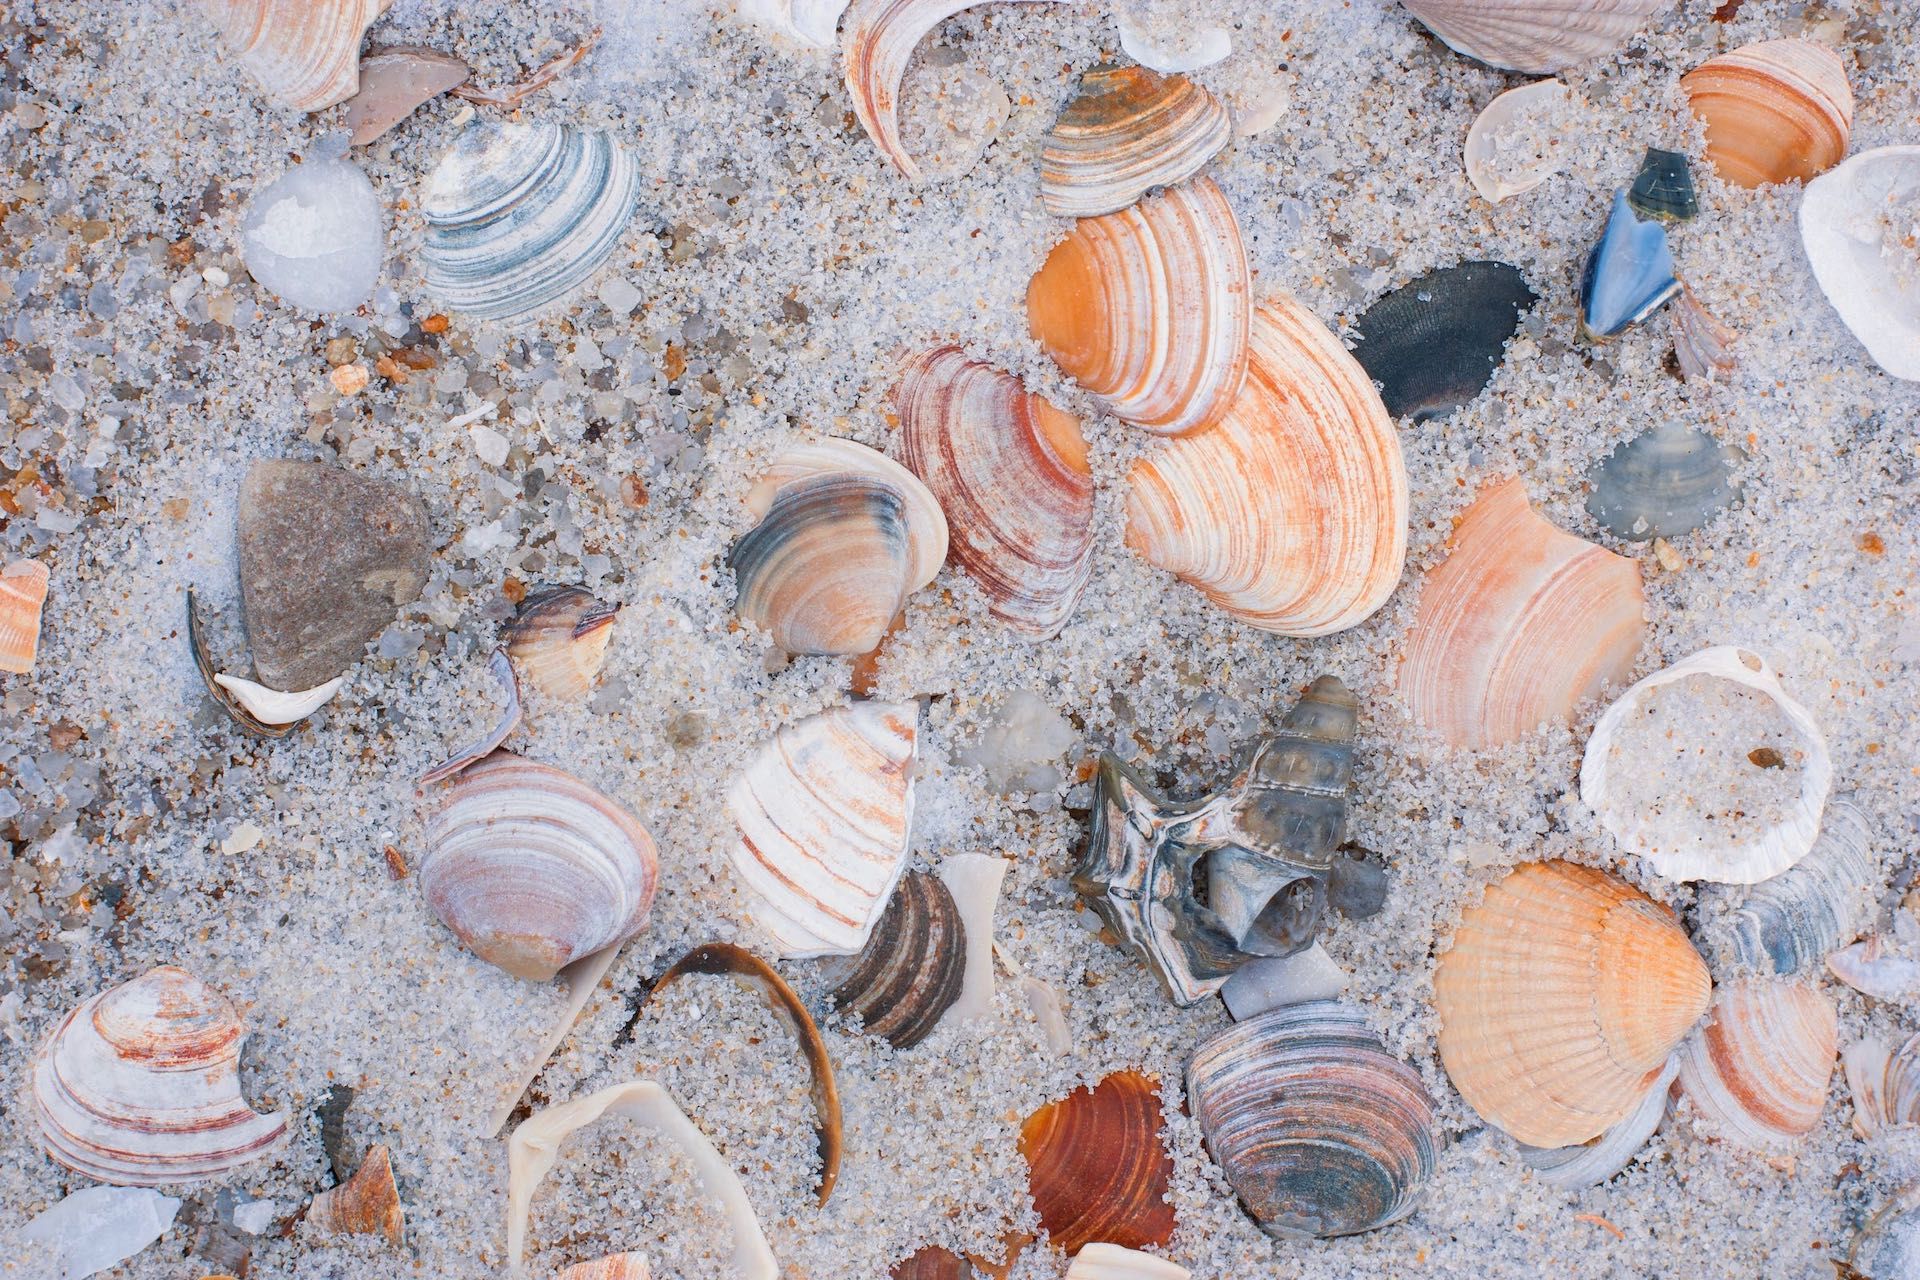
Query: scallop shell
[[367, 1204], [909, 972], [1758, 1069], [1663, 483], [1513, 145], [1291, 514], [1010, 471], [926, 523], [23, 589], [520, 215], [1111, 1262], [1790, 922], [1150, 308], [533, 869], [1592, 1163], [1775, 111], [1562, 996], [1097, 1167], [1692, 851], [1126, 131], [1518, 625], [1320, 1130], [1435, 343], [304, 53], [1861, 232], [1885, 1083], [1701, 344], [559, 637], [826, 570], [824, 812], [140, 1086], [615, 1266], [810, 22], [1538, 38]]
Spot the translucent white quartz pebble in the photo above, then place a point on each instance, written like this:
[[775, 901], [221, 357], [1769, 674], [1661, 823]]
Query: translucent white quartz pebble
[[315, 236], [98, 1227]]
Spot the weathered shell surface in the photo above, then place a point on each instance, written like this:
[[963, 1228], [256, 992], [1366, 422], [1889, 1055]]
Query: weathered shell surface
[[1538, 38], [140, 1086], [1883, 966], [1629, 275], [926, 523], [23, 590], [1125, 132], [1319, 1129], [304, 53], [974, 881], [1519, 624], [615, 1266], [1150, 308], [1292, 513], [1097, 1167], [394, 83], [811, 22], [1663, 483], [1885, 1083], [910, 971], [367, 1204], [1434, 343], [1515, 143], [1111, 1262], [1560, 1000], [1010, 472], [1758, 1070], [1591, 1163], [1862, 237], [1775, 111], [520, 215], [1702, 345], [824, 813], [559, 637], [533, 869], [1790, 922]]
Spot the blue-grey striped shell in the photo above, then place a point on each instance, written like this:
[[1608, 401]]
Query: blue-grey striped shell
[[1663, 483], [1320, 1130], [1629, 274], [519, 215], [1790, 923], [1592, 1163]]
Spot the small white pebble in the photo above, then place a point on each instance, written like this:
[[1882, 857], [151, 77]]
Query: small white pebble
[[489, 444], [255, 1216], [242, 838], [216, 277]]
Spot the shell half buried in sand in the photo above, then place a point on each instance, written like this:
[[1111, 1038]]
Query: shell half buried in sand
[[1776, 111], [1757, 1071], [911, 969], [1860, 226], [304, 53], [559, 637], [1097, 1165], [1126, 131], [1524, 35], [1519, 140]]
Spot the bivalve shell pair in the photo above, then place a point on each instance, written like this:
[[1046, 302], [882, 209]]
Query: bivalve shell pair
[[910, 971], [1775, 112], [140, 1086], [1320, 1130], [1560, 1000], [1758, 1070], [304, 53], [1292, 513], [23, 590], [1538, 38], [1861, 231], [1097, 1167], [1125, 132], [559, 637]]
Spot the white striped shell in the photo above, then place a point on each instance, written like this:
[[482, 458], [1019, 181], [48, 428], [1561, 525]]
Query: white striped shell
[[1124, 132], [1535, 36], [1757, 1069], [1791, 922], [1860, 226], [1591, 1163], [304, 53], [1885, 1083]]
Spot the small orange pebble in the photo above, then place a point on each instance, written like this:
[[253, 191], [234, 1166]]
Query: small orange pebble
[[633, 491], [1871, 543], [389, 369], [1599, 1221], [435, 323], [396, 865], [514, 590], [349, 379], [674, 363]]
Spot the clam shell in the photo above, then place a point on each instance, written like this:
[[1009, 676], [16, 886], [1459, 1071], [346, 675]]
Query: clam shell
[[1291, 514], [1862, 236], [304, 53], [1163, 35], [1518, 625], [533, 869], [827, 569], [910, 971], [1010, 472], [1562, 996], [1111, 1262], [1663, 483], [367, 1204], [1538, 38], [520, 215], [1628, 276], [140, 1086], [1097, 1167], [1790, 922], [1680, 849], [1592, 1163], [1775, 111], [559, 637], [1515, 142], [615, 1266], [1435, 343], [23, 589], [1320, 1130], [1126, 131], [1150, 308], [926, 523], [932, 1263], [1758, 1069], [824, 812], [1885, 1083], [1877, 967], [810, 22], [1701, 344]]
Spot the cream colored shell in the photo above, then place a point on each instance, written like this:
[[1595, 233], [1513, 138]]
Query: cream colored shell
[[304, 53]]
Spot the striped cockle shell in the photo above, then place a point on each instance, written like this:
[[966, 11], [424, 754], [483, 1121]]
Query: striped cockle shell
[[1885, 1083], [926, 523], [615, 1266], [1125, 131], [1320, 1131], [520, 215], [140, 1086], [533, 869], [1757, 1070], [1291, 514], [1789, 923], [1535, 36], [1518, 625], [23, 590], [1150, 308], [304, 53], [367, 1204], [1111, 1262], [559, 637], [910, 970], [1860, 226], [1775, 111], [1010, 472], [1591, 1163], [1097, 1167], [1562, 996], [824, 812]]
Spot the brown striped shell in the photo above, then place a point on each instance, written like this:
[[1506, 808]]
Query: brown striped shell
[[367, 1204], [304, 53], [1758, 1069], [23, 589], [1126, 131], [910, 971], [1097, 1167], [1775, 111], [559, 637]]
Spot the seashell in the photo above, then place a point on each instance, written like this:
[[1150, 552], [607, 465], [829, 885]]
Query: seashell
[[810, 22], [533, 869], [1043, 1001], [1518, 625], [1701, 344], [367, 1204], [1162, 35], [91, 1231], [827, 570], [1862, 239], [910, 971], [1126, 131], [1885, 1083], [1775, 111], [1592, 1163], [23, 589], [926, 523], [332, 1113], [1664, 187], [520, 215], [303, 53], [484, 746], [270, 706], [615, 1266], [1274, 982], [1010, 472], [316, 235], [1562, 996], [581, 979], [535, 1146], [1320, 1130], [1515, 142], [954, 112], [1539, 39], [394, 83], [1150, 308], [932, 1263], [824, 812], [1879, 968], [1435, 343], [559, 635], [1663, 483], [1788, 923], [1887, 1246], [1097, 1167], [140, 1086], [1629, 274], [1687, 806], [1758, 1069], [974, 881], [1111, 1262], [1291, 515]]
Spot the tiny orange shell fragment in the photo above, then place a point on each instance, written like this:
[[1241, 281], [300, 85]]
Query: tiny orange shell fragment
[[23, 588]]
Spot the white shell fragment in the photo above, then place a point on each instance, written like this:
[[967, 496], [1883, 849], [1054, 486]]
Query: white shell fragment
[[1591, 1163], [1885, 1083], [1111, 1262], [1860, 223], [99, 1227], [1272, 981], [810, 22], [1163, 36], [502, 668], [316, 237], [1519, 140], [974, 881], [270, 706], [1884, 967], [582, 979]]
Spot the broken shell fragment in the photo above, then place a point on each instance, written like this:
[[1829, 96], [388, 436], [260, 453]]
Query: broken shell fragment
[[1435, 343], [140, 1086], [1320, 1131], [1629, 275], [23, 589], [1096, 1165], [581, 979], [1562, 996], [1862, 236], [270, 706], [304, 53], [484, 746], [532, 869], [1757, 1071], [615, 1266], [1664, 187], [810, 22], [1517, 141], [1291, 514], [197, 645], [1539, 39], [316, 236], [1150, 308], [1885, 1083], [1791, 921], [1274, 982], [1591, 1163], [1125, 132], [1163, 35], [1663, 483], [1882, 968], [394, 83], [367, 1204], [974, 881], [910, 971], [1518, 625], [931, 1263], [1701, 344], [559, 637], [1111, 1262], [1775, 111]]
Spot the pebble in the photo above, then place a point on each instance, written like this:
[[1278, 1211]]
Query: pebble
[[242, 838], [315, 237], [1273, 981], [100, 1227], [349, 379]]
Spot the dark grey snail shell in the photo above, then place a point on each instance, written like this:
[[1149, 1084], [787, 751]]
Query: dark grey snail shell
[[911, 969]]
